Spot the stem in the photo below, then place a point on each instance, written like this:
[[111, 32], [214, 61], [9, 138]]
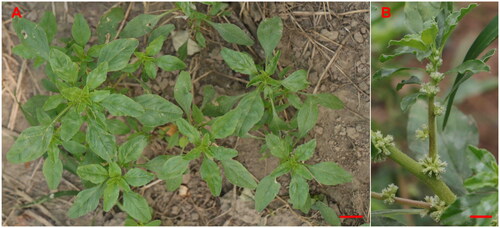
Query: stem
[[404, 201], [60, 114], [432, 128], [437, 186]]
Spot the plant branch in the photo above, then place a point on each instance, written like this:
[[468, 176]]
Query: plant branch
[[432, 128], [404, 201], [437, 186]]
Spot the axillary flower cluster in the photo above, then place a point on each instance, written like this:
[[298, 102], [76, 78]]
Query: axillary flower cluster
[[382, 144]]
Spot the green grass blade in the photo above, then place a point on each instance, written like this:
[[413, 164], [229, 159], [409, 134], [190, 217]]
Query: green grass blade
[[485, 38]]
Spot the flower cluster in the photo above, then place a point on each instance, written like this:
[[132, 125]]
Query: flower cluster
[[389, 193], [433, 167], [437, 207], [438, 109], [382, 143], [423, 132], [429, 89], [437, 76]]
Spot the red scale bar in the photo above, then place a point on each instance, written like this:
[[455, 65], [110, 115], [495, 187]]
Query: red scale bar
[[481, 216], [351, 216]]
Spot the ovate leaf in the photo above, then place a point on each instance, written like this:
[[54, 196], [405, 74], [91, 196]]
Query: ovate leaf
[[136, 206], [182, 91], [239, 61], [277, 146], [32, 36], [170, 63], [210, 173], [94, 173], [97, 76], [269, 34], [111, 193], [225, 125], [411, 80], [223, 153], [457, 214], [266, 191], [330, 173], [250, 111], [307, 116], [299, 191], [473, 66], [410, 40], [80, 30], [101, 142], [138, 177], [305, 151], [121, 105], [327, 100], [53, 168], [62, 66], [158, 110], [163, 30], [327, 213], [70, 124], [117, 53], [132, 149], [85, 202], [31, 144], [188, 130], [49, 24], [296, 81], [237, 174], [140, 25], [232, 34]]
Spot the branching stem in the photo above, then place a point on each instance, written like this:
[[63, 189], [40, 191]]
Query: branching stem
[[432, 128], [437, 186], [404, 201]]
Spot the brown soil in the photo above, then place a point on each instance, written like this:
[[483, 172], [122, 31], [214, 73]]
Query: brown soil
[[311, 41]]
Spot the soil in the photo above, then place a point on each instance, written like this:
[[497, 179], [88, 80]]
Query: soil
[[330, 40]]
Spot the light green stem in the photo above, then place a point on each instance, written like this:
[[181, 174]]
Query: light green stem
[[437, 186], [432, 128]]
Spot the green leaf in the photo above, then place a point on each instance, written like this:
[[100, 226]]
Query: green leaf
[[74, 148], [136, 206], [32, 36], [457, 214], [417, 13], [49, 24], [138, 177], [108, 24], [299, 191], [210, 173], [485, 38], [410, 40], [240, 62], [473, 66], [163, 30], [452, 144], [481, 160], [296, 81], [111, 194], [305, 151], [386, 72], [121, 105], [411, 80], [200, 39], [155, 46], [409, 100], [406, 50], [182, 91], [327, 100], [80, 30], [140, 25], [269, 34], [225, 125], [132, 149], [330, 173], [481, 180], [250, 111], [70, 124], [97, 76], [53, 168], [85, 202], [53, 102], [101, 142], [117, 53], [452, 21], [31, 144], [277, 146], [24, 51], [62, 66], [117, 127], [266, 191], [188, 130], [302, 171], [158, 111], [114, 170], [307, 116], [223, 153], [237, 174], [232, 34], [94, 173], [430, 32], [150, 69], [282, 169], [170, 63], [174, 166], [327, 213]]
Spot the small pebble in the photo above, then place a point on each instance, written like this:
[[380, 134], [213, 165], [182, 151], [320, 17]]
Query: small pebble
[[358, 37]]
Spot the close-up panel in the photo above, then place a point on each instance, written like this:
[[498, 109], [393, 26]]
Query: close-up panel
[[434, 114], [203, 114]]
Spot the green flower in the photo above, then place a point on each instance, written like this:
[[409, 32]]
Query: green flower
[[389, 193], [429, 89], [437, 207], [382, 143], [422, 133], [433, 167]]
